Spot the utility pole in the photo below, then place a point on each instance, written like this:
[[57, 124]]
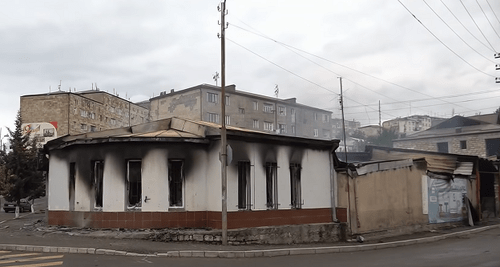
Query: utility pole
[[223, 153], [379, 118], [343, 120]]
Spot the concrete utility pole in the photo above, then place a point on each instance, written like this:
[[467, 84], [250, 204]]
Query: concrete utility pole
[[343, 120], [223, 153]]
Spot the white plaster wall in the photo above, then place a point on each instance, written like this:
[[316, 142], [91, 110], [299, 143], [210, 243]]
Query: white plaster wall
[[58, 184], [114, 178], [195, 188], [155, 180], [315, 179], [212, 188]]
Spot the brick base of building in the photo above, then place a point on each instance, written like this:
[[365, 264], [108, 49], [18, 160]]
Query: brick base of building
[[188, 219]]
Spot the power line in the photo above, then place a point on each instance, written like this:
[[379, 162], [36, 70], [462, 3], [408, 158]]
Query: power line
[[325, 59], [293, 73], [444, 43], [492, 50], [457, 33], [493, 11], [435, 98], [487, 19], [477, 26]]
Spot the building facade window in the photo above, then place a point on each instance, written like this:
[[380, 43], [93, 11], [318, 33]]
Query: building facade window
[[83, 113], [316, 132], [256, 124], [293, 129], [326, 133], [268, 126], [93, 128], [175, 183], [271, 185], [282, 128], [134, 183], [442, 147], [268, 108], [228, 120], [295, 187], [315, 115], [255, 105], [212, 97], [213, 117], [228, 100], [241, 110], [244, 189], [282, 111], [325, 118], [463, 144], [97, 175], [493, 147]]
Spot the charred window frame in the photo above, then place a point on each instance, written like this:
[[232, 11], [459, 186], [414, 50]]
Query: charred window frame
[[272, 185], [176, 182], [134, 183], [295, 187], [72, 182], [97, 175], [244, 189]]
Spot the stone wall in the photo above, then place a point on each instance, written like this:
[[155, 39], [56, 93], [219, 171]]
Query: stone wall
[[475, 144], [272, 235]]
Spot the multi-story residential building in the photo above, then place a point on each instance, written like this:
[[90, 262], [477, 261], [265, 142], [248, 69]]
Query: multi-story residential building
[[350, 127], [411, 124], [245, 110], [47, 116]]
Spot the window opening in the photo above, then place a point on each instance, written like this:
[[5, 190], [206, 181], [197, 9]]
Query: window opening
[[295, 186], [97, 179], [272, 185], [134, 183], [72, 182], [175, 182], [244, 192]]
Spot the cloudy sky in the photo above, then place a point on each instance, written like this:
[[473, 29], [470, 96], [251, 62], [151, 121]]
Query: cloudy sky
[[439, 65]]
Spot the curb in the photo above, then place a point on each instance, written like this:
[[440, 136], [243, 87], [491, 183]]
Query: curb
[[247, 253]]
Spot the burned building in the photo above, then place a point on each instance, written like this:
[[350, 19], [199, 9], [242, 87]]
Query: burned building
[[167, 173]]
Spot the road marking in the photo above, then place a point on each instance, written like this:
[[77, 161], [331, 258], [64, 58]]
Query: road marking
[[32, 259], [12, 260], [56, 263], [18, 255]]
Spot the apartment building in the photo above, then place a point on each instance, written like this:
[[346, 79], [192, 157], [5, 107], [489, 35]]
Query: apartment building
[[245, 110], [48, 116], [411, 124]]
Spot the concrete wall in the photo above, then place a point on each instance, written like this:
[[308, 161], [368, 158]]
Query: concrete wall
[[383, 200]]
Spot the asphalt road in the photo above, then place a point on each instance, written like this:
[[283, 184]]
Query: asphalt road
[[482, 249]]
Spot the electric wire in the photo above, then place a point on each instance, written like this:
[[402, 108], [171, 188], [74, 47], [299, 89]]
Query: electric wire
[[487, 19], [434, 98], [487, 1], [477, 26], [457, 33], [459, 21], [293, 73], [325, 59]]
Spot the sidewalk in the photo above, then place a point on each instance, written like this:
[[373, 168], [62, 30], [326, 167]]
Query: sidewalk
[[30, 234]]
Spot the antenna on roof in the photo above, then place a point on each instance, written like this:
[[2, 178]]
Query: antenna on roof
[[216, 77], [59, 87], [276, 91]]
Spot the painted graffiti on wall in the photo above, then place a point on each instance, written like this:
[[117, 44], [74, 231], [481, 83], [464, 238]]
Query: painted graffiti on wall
[[42, 132], [446, 199]]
